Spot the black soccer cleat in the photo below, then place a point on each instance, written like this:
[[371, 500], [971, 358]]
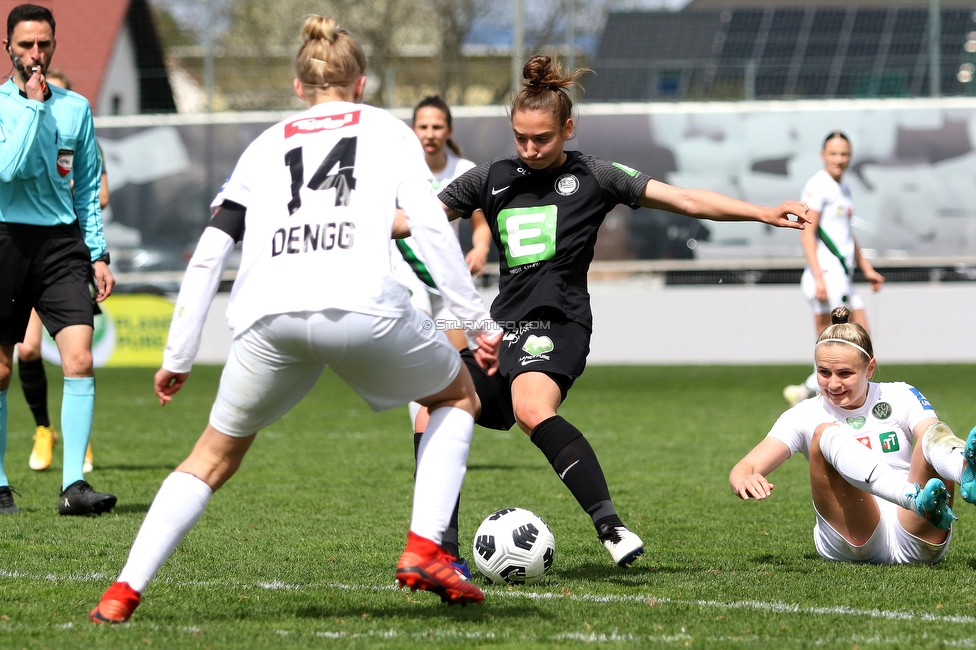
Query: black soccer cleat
[[7, 505], [80, 499]]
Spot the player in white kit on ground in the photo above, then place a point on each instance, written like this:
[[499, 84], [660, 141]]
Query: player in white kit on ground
[[879, 459], [314, 200], [830, 250]]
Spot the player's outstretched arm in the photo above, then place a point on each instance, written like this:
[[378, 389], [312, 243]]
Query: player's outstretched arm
[[748, 477], [167, 383], [703, 204]]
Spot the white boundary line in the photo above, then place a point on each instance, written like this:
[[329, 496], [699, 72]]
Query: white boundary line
[[756, 605]]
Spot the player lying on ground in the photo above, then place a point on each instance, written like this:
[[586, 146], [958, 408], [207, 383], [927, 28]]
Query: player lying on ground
[[314, 200], [545, 206], [879, 458]]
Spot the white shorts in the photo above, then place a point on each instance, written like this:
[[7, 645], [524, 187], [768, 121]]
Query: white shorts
[[890, 543], [272, 366], [840, 289]]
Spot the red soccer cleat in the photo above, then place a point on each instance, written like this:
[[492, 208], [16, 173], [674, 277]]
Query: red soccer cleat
[[117, 604], [425, 566]]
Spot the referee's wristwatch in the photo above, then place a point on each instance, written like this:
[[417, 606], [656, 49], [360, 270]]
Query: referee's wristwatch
[[104, 258]]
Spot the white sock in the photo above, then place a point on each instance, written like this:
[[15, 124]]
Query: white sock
[[943, 450], [862, 469], [441, 462], [811, 383], [414, 409], [177, 507]]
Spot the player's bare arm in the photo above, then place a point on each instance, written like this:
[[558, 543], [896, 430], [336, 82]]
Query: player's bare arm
[[477, 257], [748, 477], [872, 276], [808, 239], [703, 204]]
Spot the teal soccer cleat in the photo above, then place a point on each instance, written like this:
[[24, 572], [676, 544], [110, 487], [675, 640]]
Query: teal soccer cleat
[[930, 502], [967, 485]]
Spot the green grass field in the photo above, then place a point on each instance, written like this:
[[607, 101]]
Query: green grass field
[[298, 550]]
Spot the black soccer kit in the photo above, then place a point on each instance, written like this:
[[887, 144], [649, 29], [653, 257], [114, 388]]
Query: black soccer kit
[[545, 224]]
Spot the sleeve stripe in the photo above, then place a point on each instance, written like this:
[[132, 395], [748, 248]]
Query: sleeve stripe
[[229, 217]]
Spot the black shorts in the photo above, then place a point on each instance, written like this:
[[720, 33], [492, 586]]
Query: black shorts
[[546, 341], [47, 268]]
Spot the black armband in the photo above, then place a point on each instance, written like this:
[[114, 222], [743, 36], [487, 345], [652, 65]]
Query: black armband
[[229, 218]]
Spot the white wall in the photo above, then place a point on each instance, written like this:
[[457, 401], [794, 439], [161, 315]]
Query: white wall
[[640, 322], [122, 78]]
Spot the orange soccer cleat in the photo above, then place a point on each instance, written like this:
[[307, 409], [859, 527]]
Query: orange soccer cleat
[[117, 604], [425, 566]]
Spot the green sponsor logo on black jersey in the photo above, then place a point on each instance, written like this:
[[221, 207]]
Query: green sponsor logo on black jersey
[[528, 234]]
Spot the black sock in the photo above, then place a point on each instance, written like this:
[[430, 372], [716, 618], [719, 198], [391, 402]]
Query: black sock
[[34, 382], [449, 541], [576, 464], [416, 451]]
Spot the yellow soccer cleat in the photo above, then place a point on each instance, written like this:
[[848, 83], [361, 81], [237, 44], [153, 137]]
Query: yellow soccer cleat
[[44, 440], [87, 467]]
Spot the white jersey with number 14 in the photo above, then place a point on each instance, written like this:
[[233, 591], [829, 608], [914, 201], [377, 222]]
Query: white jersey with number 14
[[319, 221]]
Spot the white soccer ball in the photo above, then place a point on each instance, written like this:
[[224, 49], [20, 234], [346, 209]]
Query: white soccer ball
[[514, 546]]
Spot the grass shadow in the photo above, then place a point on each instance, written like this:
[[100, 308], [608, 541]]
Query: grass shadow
[[474, 467], [130, 508], [437, 610]]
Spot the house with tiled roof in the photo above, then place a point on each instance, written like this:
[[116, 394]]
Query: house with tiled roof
[[111, 52]]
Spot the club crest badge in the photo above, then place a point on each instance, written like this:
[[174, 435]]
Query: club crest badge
[[882, 410], [567, 184]]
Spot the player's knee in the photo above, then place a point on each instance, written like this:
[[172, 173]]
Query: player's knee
[[529, 415], [825, 442], [28, 351], [77, 363]]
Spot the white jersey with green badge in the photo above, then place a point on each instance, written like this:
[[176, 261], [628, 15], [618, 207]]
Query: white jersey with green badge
[[407, 247], [833, 201], [885, 424]]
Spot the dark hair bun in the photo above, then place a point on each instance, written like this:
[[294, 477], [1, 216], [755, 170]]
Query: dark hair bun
[[840, 315], [542, 72]]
